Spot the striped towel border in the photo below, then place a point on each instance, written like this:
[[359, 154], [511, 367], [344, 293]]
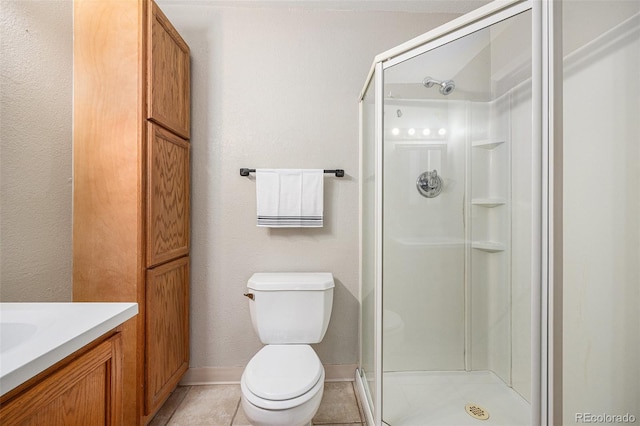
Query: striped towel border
[[291, 221]]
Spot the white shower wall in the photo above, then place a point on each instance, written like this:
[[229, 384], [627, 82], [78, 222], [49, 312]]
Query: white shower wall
[[525, 179], [424, 248], [425, 241]]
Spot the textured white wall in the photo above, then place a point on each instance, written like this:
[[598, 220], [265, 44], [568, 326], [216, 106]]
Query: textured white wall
[[275, 88], [36, 47]]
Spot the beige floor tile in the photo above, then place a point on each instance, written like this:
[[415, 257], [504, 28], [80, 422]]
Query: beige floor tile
[[241, 418], [170, 406], [338, 405], [219, 405], [213, 405]]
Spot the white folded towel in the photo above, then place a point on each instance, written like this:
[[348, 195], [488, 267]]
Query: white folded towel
[[289, 198]]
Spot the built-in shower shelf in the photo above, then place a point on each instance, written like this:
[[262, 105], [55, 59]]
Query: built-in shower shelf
[[488, 202], [487, 143], [488, 246]]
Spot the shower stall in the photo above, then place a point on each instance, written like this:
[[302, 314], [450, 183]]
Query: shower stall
[[462, 213]]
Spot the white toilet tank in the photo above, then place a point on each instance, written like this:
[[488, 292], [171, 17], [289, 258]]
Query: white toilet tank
[[291, 307]]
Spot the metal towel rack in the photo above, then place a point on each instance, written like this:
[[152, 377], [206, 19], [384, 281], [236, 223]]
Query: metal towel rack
[[337, 172]]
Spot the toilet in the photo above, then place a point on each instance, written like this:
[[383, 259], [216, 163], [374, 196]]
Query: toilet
[[282, 385]]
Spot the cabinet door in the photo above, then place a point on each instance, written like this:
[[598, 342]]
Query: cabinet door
[[167, 330], [86, 391], [167, 196], [168, 91]]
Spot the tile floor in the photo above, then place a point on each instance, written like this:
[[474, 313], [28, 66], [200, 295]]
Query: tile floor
[[219, 405]]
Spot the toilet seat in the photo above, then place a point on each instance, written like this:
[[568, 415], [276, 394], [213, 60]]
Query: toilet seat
[[282, 376]]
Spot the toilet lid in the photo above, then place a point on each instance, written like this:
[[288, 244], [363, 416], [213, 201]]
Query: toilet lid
[[279, 372]]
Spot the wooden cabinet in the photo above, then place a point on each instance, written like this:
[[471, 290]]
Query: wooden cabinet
[[167, 196], [83, 389], [168, 73], [131, 187], [167, 336]]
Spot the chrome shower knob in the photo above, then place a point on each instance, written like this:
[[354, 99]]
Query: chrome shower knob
[[429, 184]]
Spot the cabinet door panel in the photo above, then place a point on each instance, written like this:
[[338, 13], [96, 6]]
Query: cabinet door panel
[[167, 330], [167, 196], [87, 391], [168, 94]]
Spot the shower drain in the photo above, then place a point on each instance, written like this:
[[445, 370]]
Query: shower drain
[[476, 411]]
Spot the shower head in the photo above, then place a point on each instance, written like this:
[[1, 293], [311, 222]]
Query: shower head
[[446, 86]]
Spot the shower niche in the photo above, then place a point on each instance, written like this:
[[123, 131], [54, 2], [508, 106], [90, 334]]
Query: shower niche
[[452, 295]]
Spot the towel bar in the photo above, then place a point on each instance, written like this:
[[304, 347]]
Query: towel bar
[[337, 172]]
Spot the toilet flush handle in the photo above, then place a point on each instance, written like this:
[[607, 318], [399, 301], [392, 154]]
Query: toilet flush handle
[[250, 296]]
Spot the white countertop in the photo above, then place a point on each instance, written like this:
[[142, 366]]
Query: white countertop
[[34, 336]]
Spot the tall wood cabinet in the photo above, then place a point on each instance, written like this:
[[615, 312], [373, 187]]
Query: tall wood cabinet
[[131, 187]]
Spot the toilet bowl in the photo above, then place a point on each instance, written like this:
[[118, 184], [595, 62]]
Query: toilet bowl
[[283, 384]]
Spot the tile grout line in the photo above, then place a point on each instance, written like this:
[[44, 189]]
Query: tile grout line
[[178, 405], [233, 418]]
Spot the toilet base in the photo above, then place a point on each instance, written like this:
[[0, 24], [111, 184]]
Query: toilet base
[[296, 416]]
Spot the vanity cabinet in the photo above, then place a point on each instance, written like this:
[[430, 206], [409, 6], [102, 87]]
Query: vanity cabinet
[[83, 389], [131, 187]]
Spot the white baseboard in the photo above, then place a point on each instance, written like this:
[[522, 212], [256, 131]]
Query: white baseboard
[[339, 372], [212, 376], [231, 375]]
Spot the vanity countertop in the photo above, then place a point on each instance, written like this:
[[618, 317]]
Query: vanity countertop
[[34, 336]]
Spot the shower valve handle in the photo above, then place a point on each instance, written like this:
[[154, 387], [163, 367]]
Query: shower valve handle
[[433, 179], [429, 184]]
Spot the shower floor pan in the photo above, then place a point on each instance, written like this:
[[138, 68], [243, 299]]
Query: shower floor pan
[[424, 398]]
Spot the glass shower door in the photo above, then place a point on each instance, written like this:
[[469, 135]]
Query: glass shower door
[[459, 210], [367, 369]]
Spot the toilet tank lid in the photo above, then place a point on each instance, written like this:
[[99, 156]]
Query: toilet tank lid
[[279, 281]]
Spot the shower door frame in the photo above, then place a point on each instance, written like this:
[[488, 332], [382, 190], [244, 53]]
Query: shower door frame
[[546, 302]]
